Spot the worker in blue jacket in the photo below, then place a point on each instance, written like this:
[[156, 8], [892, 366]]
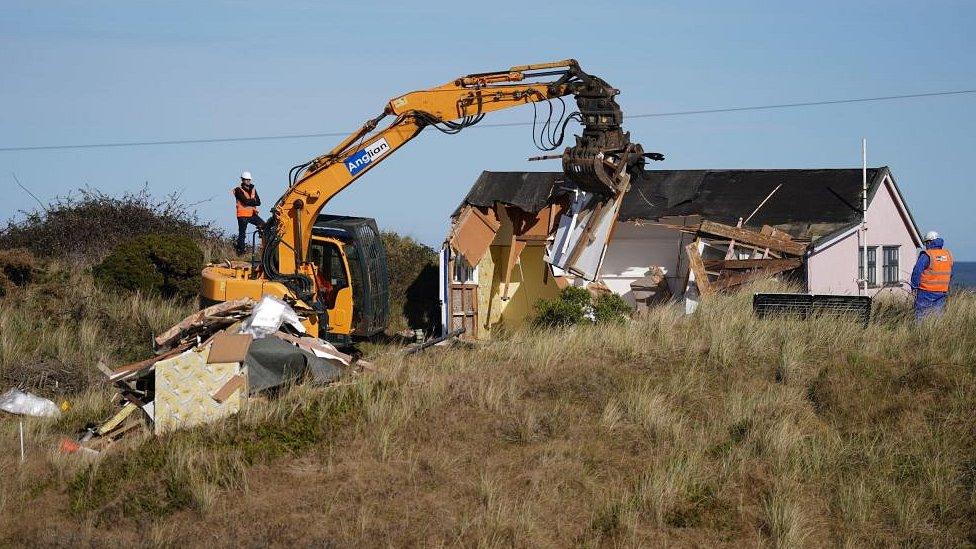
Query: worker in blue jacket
[[931, 276]]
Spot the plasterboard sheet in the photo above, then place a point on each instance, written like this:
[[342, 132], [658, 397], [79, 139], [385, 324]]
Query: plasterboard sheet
[[473, 233], [569, 230], [587, 264]]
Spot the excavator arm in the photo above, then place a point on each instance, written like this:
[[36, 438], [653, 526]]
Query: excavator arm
[[599, 156]]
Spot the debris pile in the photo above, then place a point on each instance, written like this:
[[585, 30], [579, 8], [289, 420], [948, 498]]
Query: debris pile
[[725, 256], [206, 366]]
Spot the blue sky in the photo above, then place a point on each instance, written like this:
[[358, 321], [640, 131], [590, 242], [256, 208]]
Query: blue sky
[[92, 72]]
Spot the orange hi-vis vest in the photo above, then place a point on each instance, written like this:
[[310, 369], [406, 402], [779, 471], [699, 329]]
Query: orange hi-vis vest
[[242, 210], [935, 277]]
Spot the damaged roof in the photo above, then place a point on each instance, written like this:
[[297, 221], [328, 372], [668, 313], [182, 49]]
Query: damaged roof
[[811, 204], [528, 191]]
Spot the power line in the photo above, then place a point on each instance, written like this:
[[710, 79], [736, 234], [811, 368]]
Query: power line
[[807, 104], [485, 125], [174, 142]]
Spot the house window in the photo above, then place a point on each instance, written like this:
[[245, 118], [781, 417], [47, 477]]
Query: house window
[[890, 265], [464, 273], [872, 275]]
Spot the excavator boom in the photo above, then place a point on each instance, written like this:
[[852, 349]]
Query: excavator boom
[[596, 161]]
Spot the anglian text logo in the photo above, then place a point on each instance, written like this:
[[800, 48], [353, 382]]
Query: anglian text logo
[[361, 159]]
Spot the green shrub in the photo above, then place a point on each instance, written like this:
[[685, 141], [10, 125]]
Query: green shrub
[[575, 305], [164, 264], [414, 302], [610, 308]]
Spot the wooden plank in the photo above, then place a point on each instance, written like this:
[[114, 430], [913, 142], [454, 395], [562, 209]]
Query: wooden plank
[[769, 230], [174, 332], [698, 268], [748, 276], [533, 238], [752, 238], [123, 371], [233, 385], [312, 344], [752, 263], [515, 248], [490, 221]]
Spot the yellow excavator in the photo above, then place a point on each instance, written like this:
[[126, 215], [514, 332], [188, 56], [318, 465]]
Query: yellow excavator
[[332, 268]]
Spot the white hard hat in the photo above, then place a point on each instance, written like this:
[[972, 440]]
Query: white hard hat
[[930, 236], [245, 175]]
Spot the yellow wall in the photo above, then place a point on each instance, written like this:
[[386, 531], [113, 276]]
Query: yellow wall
[[528, 284], [486, 269]]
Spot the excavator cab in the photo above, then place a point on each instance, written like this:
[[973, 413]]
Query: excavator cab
[[351, 277]]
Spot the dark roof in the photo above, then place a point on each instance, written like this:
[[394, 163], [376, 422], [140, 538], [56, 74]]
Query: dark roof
[[811, 204], [528, 191]]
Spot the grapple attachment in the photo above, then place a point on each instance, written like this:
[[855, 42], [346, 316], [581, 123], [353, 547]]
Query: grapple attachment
[[604, 153]]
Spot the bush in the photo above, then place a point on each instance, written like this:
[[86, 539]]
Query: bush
[[85, 228], [610, 307], [575, 304], [164, 264], [414, 302]]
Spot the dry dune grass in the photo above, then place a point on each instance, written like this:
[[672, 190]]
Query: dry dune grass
[[713, 429], [54, 331]]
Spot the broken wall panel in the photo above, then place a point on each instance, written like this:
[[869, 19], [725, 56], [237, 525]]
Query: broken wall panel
[[591, 250], [568, 225], [637, 246], [582, 236], [473, 232], [184, 389], [530, 281]]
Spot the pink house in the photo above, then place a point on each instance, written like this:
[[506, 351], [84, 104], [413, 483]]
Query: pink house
[[835, 261]]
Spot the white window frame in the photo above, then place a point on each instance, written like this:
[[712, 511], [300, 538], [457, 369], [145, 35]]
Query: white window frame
[[463, 273]]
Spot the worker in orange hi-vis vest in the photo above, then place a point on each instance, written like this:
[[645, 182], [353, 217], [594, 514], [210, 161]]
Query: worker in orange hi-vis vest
[[248, 201], [931, 276]]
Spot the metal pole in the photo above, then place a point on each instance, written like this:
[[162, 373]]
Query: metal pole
[[864, 214], [21, 441], [761, 204]]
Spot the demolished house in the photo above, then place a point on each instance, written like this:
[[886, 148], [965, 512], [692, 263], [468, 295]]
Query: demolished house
[[679, 234]]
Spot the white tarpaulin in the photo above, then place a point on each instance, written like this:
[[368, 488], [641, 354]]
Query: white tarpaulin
[[18, 402], [268, 316]]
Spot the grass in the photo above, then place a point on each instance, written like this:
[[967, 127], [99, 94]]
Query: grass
[[711, 429], [53, 332]]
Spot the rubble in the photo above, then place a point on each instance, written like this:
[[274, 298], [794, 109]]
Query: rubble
[[651, 289], [207, 365], [725, 256]]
